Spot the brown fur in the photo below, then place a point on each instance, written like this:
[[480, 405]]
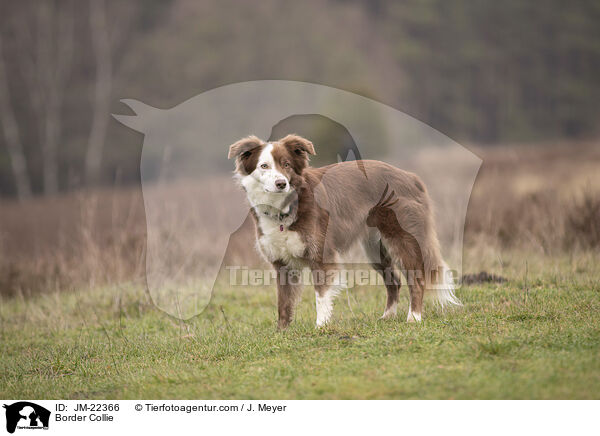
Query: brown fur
[[336, 203], [246, 152]]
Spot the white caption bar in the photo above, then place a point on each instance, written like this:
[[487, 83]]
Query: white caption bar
[[298, 417]]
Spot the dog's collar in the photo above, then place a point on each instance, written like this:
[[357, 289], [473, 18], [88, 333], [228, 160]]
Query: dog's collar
[[284, 219], [276, 216], [280, 216]]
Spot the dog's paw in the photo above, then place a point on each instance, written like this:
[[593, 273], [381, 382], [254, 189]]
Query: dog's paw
[[282, 324], [388, 315], [413, 317]]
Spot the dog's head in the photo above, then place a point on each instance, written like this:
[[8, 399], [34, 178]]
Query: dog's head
[[272, 167]]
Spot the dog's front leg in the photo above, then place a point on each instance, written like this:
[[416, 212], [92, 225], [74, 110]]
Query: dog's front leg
[[328, 282], [289, 289]]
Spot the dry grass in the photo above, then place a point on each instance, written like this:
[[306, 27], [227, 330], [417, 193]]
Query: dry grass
[[49, 244], [543, 200]]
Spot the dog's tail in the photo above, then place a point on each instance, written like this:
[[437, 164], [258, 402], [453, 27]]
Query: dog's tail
[[442, 291], [439, 283]]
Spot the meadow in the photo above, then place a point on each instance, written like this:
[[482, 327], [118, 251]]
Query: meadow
[[527, 338], [76, 320]]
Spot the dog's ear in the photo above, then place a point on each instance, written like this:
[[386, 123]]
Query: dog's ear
[[246, 152], [243, 146], [298, 145], [299, 148]]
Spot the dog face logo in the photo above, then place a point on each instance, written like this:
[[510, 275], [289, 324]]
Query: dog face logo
[[26, 415], [192, 207]]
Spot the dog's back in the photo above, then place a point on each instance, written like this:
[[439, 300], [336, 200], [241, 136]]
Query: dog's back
[[313, 216]]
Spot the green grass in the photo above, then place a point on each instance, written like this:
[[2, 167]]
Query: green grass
[[504, 343]]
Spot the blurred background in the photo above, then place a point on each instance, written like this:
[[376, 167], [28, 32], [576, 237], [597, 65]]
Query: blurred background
[[518, 83]]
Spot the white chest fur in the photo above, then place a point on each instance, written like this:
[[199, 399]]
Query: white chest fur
[[276, 244]]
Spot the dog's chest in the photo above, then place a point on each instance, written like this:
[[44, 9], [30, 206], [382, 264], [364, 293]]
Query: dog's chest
[[279, 245]]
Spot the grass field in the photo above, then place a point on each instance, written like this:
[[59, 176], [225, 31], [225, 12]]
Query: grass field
[[536, 336]]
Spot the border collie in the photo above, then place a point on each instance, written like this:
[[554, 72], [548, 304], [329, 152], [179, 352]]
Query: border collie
[[310, 217]]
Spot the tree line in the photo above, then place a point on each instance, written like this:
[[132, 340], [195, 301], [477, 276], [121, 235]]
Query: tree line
[[488, 72]]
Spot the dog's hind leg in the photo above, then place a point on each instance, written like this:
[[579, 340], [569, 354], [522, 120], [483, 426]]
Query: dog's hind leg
[[416, 286], [381, 261], [416, 303], [404, 250], [392, 283]]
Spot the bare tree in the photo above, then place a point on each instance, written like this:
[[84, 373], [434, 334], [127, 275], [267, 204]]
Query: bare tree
[[12, 138], [46, 63], [101, 44]]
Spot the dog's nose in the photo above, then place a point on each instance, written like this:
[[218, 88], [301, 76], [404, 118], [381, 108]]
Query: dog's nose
[[281, 184]]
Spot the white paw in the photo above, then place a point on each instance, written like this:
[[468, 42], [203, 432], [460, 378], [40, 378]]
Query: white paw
[[324, 308], [390, 312], [413, 316]]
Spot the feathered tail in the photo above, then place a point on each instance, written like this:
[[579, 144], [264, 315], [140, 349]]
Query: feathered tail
[[439, 283]]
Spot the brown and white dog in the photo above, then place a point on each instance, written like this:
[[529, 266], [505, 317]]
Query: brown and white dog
[[310, 217]]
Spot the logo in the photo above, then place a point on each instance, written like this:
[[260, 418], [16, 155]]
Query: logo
[[26, 415], [195, 211]]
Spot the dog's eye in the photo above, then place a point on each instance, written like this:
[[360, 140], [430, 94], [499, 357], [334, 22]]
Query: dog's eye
[[286, 165], [264, 166]]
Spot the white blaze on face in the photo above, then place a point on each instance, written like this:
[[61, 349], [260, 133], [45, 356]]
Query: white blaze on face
[[267, 174], [260, 184]]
